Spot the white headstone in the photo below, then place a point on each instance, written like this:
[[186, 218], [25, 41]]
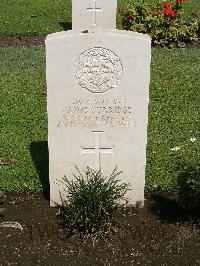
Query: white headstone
[[93, 14], [98, 93]]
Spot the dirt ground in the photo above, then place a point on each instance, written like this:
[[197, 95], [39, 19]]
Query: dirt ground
[[162, 233], [31, 41]]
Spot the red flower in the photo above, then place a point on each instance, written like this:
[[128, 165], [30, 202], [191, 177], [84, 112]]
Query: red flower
[[169, 12], [130, 17], [180, 1], [167, 4], [120, 10], [157, 12], [166, 12], [172, 13]]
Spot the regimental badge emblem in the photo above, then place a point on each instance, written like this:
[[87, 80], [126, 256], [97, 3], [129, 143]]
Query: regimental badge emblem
[[98, 70]]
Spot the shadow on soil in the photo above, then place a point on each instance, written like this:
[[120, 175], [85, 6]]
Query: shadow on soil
[[188, 183], [169, 210], [185, 204], [66, 25], [40, 155]]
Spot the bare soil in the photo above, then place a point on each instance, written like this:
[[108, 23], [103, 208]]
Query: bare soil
[[162, 233], [29, 41]]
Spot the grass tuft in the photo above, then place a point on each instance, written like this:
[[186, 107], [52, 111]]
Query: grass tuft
[[92, 201]]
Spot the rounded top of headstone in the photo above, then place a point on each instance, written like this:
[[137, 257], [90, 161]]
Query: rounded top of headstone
[[98, 70]]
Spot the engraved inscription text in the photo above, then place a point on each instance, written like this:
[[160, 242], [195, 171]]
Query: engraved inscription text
[[93, 113]]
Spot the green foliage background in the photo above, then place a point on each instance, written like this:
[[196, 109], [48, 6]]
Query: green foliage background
[[39, 17]]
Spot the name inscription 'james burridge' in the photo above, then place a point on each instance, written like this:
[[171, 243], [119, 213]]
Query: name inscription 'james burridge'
[[97, 112]]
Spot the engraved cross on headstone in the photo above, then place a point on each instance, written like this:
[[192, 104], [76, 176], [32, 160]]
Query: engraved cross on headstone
[[93, 15], [94, 9], [97, 150]]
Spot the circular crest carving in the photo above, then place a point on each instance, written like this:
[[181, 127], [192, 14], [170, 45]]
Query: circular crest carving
[[98, 70]]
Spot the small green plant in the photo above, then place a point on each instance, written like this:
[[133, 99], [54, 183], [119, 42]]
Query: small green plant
[[166, 25], [92, 201], [1, 197]]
